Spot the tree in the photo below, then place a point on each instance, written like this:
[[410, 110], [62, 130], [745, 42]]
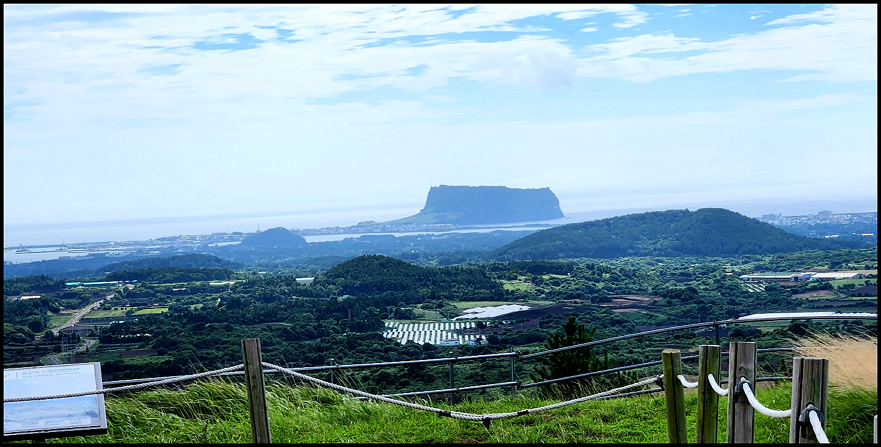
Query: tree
[[570, 362]]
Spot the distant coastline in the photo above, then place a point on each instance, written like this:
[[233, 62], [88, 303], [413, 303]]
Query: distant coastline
[[81, 239]]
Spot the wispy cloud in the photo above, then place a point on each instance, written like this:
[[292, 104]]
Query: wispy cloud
[[221, 101]]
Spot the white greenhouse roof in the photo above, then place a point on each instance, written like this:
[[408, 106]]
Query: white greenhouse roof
[[798, 315]]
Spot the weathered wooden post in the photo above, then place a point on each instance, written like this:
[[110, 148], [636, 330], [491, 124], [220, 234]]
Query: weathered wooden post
[[256, 391], [810, 378], [741, 415], [707, 419], [675, 396]]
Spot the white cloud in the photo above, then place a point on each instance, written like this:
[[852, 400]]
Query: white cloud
[[843, 48], [371, 97]]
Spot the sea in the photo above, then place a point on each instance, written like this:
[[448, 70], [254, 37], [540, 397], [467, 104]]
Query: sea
[[50, 238]]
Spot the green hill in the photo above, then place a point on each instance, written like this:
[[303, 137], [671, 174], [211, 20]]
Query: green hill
[[377, 274], [275, 237], [196, 260], [705, 232]]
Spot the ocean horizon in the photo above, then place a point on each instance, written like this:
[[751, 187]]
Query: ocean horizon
[[58, 234]]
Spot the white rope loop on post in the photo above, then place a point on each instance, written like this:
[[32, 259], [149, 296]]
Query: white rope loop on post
[[128, 387], [818, 428], [451, 414], [715, 386], [685, 382], [778, 414]]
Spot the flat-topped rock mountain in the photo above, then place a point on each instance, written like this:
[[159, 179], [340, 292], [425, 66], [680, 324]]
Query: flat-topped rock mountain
[[478, 205]]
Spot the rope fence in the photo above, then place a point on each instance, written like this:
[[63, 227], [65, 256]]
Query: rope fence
[[807, 427], [453, 414], [809, 386], [128, 387], [777, 414], [817, 427]]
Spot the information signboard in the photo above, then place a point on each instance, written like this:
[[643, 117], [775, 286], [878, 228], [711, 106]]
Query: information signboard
[[53, 418]]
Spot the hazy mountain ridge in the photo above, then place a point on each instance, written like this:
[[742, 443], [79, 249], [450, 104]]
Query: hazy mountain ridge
[[274, 237], [705, 232]]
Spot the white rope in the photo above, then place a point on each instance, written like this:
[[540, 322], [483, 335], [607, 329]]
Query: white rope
[[818, 429], [452, 414], [686, 383], [715, 386], [128, 387], [779, 414], [591, 397]]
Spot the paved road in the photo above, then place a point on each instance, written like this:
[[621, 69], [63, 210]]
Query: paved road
[[77, 316], [56, 359]]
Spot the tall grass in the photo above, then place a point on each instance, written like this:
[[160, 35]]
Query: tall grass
[[852, 399], [853, 360], [216, 411]]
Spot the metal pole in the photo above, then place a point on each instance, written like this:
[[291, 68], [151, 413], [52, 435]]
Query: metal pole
[[331, 371], [256, 391], [511, 359], [452, 381]]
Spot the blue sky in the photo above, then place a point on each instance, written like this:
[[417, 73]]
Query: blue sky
[[144, 111]]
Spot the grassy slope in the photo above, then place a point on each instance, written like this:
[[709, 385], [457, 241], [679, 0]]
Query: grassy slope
[[216, 412]]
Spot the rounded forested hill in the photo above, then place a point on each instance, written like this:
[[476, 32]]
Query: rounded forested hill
[[377, 274], [274, 237], [705, 232]]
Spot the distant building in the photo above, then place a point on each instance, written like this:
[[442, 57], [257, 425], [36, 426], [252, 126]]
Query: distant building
[[829, 276], [776, 277]]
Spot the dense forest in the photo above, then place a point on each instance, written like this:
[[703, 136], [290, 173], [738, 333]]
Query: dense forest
[[322, 302], [340, 314], [705, 232]]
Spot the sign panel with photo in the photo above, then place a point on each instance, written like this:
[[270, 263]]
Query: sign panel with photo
[[49, 418]]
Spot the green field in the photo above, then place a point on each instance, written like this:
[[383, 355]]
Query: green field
[[518, 285], [58, 320], [426, 314], [116, 312], [154, 310], [859, 282]]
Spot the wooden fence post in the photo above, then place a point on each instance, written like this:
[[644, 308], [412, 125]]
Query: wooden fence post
[[707, 419], [810, 378], [675, 396], [741, 415], [256, 391]]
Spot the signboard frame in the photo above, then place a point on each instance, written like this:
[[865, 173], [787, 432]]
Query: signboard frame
[[53, 418]]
